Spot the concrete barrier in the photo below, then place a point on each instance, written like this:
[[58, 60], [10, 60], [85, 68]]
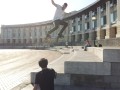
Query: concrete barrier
[[90, 68], [106, 54]]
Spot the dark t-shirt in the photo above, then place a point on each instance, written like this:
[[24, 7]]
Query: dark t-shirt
[[45, 79]]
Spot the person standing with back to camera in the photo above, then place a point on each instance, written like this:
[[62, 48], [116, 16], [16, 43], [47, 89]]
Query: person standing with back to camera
[[44, 79], [58, 19]]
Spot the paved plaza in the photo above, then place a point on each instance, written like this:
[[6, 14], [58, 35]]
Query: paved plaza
[[16, 66]]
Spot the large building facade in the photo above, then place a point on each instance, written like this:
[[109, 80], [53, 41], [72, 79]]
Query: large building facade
[[99, 22]]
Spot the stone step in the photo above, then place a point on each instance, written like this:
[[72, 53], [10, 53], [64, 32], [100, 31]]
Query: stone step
[[90, 68], [76, 88], [107, 54], [64, 87]]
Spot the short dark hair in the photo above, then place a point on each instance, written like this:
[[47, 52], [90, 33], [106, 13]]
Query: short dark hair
[[43, 63], [65, 4]]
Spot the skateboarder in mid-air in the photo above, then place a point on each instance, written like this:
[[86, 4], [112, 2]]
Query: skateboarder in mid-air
[[58, 19]]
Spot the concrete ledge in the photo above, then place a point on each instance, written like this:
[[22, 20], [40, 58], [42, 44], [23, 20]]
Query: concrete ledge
[[111, 55], [106, 54], [62, 79], [90, 68], [97, 51]]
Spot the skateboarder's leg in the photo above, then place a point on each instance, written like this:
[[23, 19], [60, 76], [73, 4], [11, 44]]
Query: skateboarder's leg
[[56, 25], [52, 30], [64, 27]]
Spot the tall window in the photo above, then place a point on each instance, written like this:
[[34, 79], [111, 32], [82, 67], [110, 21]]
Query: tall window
[[19, 33], [94, 24], [73, 28], [87, 26], [35, 33], [113, 16], [103, 21], [80, 27]]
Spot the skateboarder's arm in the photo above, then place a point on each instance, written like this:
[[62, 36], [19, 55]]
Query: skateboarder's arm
[[54, 3]]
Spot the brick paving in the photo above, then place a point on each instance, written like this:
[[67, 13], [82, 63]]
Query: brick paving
[[16, 70]]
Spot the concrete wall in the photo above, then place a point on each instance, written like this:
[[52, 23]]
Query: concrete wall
[[103, 82], [89, 68], [113, 42], [107, 54]]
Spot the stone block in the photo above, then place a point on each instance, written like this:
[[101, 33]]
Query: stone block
[[87, 78], [33, 75], [115, 69], [106, 54], [115, 85], [89, 81], [90, 68], [97, 51], [112, 79], [62, 79], [103, 68], [111, 55], [79, 67]]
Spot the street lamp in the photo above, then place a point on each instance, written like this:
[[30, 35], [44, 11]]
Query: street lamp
[[93, 19]]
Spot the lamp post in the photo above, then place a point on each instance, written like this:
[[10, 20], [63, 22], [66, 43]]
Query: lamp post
[[93, 19]]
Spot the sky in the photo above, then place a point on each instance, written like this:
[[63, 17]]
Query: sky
[[32, 11]]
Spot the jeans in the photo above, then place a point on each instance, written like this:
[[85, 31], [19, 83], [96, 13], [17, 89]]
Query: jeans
[[57, 23]]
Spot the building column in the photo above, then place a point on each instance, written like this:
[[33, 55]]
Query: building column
[[27, 35], [70, 30], [5, 36], [83, 27], [91, 35], [118, 18], [17, 35], [32, 34], [2, 35], [108, 20], [9, 32], [67, 32], [22, 34], [38, 35], [98, 23], [76, 25]]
